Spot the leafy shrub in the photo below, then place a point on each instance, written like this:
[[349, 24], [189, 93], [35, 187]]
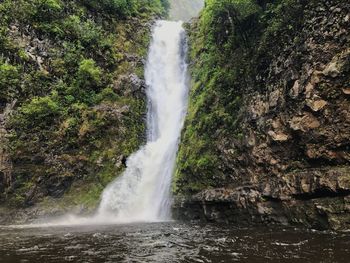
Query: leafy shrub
[[126, 8], [230, 20], [39, 112], [9, 82], [119, 7], [106, 94], [46, 10], [89, 74], [40, 108], [87, 32]]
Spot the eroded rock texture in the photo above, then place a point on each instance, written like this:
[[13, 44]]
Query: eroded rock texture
[[291, 162]]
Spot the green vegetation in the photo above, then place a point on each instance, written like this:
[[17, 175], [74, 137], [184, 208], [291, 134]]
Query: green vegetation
[[67, 65], [230, 43], [9, 79]]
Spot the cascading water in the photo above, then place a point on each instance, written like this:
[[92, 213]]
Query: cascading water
[[142, 193]]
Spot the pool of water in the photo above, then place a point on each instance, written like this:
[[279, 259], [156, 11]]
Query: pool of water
[[171, 242]]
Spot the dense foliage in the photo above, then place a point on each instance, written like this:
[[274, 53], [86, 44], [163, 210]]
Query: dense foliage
[[63, 63]]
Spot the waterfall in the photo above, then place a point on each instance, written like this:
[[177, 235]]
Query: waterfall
[[142, 192]]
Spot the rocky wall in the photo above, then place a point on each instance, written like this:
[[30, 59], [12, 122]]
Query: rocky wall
[[291, 164]]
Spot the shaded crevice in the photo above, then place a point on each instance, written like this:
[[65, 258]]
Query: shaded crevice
[[324, 162], [272, 199], [322, 193]]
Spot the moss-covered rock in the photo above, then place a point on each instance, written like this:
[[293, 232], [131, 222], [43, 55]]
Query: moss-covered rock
[[74, 70]]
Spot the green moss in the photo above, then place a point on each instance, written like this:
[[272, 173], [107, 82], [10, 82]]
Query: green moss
[[71, 120], [229, 44], [9, 81], [88, 73]]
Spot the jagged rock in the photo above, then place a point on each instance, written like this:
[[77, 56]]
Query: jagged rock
[[296, 89], [274, 98], [316, 104], [331, 70], [343, 182], [130, 85], [334, 68], [304, 123], [281, 137], [293, 163], [258, 108], [295, 196], [112, 111]]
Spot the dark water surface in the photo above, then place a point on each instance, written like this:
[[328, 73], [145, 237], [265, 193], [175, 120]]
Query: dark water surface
[[170, 242]]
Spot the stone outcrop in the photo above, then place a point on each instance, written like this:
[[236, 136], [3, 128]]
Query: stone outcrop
[[291, 165], [318, 198]]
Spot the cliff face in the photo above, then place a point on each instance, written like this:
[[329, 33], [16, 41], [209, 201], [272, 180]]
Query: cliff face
[[268, 132], [72, 98]]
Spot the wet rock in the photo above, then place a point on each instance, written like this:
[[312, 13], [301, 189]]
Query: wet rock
[[306, 194]]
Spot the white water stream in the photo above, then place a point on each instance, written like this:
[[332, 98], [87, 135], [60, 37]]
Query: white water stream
[[142, 193]]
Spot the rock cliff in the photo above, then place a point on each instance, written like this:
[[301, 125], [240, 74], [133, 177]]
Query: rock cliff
[[268, 132]]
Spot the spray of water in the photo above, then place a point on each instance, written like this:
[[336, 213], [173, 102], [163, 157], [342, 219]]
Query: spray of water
[[142, 193]]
